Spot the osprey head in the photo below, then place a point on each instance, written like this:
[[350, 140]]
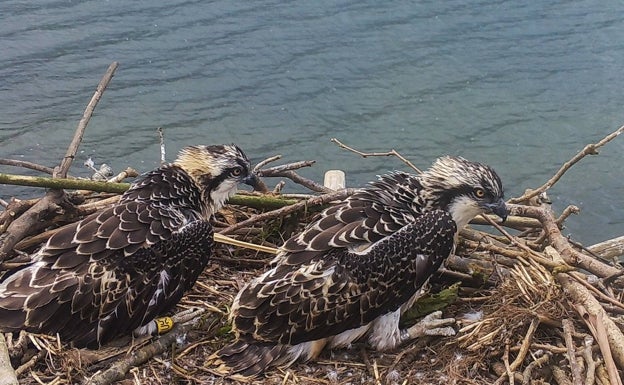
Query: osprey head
[[465, 189], [216, 170]]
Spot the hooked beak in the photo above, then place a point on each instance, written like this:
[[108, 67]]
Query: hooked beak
[[253, 180], [499, 208]]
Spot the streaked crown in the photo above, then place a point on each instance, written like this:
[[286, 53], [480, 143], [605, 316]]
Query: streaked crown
[[451, 172], [463, 188], [211, 161], [216, 170]]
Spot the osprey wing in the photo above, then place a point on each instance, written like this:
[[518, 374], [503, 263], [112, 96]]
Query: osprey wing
[[343, 290], [367, 216], [113, 271]]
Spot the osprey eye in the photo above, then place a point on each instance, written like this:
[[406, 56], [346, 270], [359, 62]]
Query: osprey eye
[[237, 171], [479, 192]]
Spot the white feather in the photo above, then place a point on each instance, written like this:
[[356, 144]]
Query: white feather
[[385, 333]]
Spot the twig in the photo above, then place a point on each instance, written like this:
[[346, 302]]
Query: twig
[[568, 330], [73, 147], [534, 255], [13, 210], [566, 213], [582, 279], [219, 237], [526, 374], [161, 138], [319, 200], [265, 162], [286, 171], [526, 343], [598, 325], [30, 363], [559, 376], [30, 222], [590, 376], [508, 369], [25, 164], [514, 222], [7, 375], [127, 173], [274, 171], [305, 182], [278, 187], [590, 149], [367, 154]]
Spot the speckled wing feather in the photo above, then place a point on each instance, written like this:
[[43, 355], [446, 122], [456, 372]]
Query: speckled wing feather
[[343, 290], [365, 217], [115, 270]]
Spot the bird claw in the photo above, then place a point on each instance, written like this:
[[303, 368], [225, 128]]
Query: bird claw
[[432, 325], [188, 315]]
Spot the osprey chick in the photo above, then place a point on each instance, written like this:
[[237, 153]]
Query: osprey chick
[[357, 268], [118, 269]]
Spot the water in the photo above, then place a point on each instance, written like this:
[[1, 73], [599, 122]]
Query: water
[[519, 85]]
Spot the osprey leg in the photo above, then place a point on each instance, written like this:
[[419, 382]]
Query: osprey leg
[[432, 325]]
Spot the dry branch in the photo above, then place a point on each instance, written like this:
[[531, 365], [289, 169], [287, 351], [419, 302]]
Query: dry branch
[[590, 149], [32, 221], [568, 330], [515, 281], [29, 165], [594, 312], [609, 249], [558, 241], [368, 154], [7, 374], [82, 125], [119, 370], [63, 183], [316, 201]]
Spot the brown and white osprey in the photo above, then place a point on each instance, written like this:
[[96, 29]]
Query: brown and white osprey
[[357, 268], [118, 269]]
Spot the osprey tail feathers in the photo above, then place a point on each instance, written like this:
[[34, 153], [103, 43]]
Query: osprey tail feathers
[[242, 360]]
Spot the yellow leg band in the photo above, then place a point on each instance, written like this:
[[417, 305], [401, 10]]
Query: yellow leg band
[[163, 324]]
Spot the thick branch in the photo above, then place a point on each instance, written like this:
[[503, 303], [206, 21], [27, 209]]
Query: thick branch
[[119, 370], [63, 183], [559, 242], [7, 374], [261, 202], [584, 297], [609, 249], [31, 221]]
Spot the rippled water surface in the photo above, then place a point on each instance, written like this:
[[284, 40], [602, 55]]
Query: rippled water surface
[[519, 85]]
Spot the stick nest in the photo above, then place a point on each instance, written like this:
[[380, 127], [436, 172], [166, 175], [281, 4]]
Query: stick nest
[[532, 306], [509, 312]]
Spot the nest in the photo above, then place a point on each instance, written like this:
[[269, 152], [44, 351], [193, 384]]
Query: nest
[[532, 307], [523, 309]]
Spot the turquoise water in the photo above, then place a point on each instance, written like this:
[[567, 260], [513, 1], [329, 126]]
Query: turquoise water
[[519, 85]]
